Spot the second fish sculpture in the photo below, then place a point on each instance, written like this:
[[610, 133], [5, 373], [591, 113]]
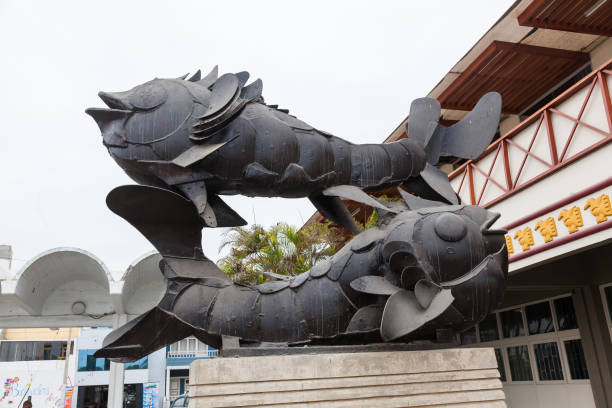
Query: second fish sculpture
[[426, 269], [211, 136]]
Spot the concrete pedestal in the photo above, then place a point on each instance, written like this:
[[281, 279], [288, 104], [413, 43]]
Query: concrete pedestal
[[462, 378]]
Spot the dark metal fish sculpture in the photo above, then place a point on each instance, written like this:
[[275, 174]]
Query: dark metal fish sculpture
[[425, 267], [211, 136]]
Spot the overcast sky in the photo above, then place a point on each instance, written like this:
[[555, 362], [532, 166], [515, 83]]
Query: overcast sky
[[348, 67]]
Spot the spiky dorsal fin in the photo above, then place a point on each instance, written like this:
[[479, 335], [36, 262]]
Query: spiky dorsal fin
[[196, 77], [252, 91], [243, 77], [210, 79], [224, 91]]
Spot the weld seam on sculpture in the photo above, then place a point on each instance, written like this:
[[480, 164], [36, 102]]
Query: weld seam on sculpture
[[425, 266]]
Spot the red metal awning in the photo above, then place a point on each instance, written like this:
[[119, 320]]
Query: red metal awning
[[520, 73], [579, 16]]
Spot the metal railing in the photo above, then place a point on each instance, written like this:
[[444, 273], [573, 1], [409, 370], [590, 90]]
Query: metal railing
[[547, 138], [192, 354]]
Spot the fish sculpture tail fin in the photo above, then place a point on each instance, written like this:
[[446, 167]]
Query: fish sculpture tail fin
[[466, 139], [172, 224]]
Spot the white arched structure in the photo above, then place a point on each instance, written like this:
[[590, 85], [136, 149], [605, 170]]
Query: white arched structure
[[143, 284], [70, 286], [51, 282]]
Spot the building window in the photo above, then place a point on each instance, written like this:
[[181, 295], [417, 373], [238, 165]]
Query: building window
[[548, 361], [512, 323], [141, 364], [538, 341], [469, 336], [32, 350], [520, 367], [500, 364], [566, 316], [575, 358], [539, 318], [87, 362], [488, 328], [190, 348]]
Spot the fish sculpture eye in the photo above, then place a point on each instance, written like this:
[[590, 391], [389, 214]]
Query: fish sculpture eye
[[148, 96], [450, 227]]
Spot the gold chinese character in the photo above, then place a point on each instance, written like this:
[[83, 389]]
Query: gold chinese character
[[509, 245], [600, 207], [525, 238], [572, 219], [547, 228]]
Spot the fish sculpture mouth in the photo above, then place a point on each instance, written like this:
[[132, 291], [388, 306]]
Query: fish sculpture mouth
[[111, 120], [118, 109], [114, 101]]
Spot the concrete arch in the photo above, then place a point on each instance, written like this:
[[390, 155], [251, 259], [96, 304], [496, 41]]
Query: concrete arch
[[53, 280], [4, 273], [143, 284]]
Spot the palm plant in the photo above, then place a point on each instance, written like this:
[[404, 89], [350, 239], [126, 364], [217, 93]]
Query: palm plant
[[258, 253]]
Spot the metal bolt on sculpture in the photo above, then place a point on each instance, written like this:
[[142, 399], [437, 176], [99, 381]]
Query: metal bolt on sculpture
[[429, 264]]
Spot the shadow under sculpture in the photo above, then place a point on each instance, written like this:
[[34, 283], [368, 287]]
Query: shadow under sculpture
[[429, 266]]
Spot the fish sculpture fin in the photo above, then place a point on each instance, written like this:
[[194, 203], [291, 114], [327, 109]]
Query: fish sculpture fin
[[211, 208], [356, 194], [210, 78], [333, 209], [374, 285], [403, 303], [196, 153], [466, 139], [365, 319], [168, 220], [226, 216], [252, 91], [423, 120], [227, 99], [196, 77], [243, 77], [414, 203], [432, 184], [161, 327], [469, 137]]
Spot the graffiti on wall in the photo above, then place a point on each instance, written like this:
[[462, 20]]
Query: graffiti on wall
[[16, 389]]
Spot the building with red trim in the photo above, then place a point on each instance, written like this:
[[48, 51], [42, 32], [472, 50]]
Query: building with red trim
[[549, 173]]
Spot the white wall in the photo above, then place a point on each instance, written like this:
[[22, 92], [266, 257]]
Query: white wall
[[45, 378], [549, 396]]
